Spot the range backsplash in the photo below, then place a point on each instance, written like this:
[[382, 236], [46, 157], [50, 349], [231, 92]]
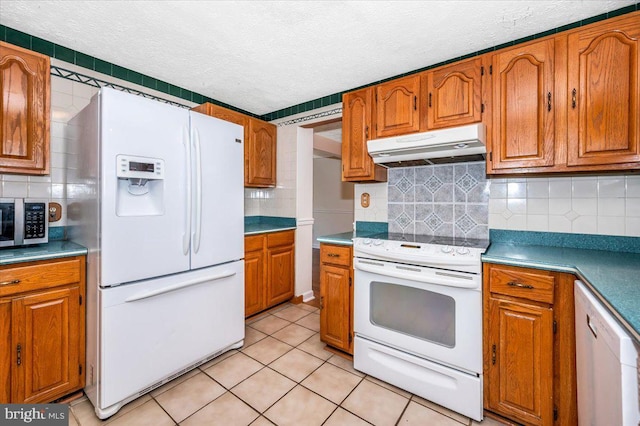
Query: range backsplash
[[447, 200]]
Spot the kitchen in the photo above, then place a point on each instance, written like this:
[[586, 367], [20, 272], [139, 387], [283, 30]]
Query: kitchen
[[512, 202]]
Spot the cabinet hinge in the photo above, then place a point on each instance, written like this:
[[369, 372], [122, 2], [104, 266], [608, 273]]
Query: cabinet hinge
[[555, 327], [481, 70], [80, 369], [555, 413], [80, 299], [490, 156], [482, 108], [349, 281], [490, 69], [350, 338]]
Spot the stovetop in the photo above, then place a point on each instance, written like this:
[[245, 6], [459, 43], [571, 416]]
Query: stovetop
[[457, 254], [433, 239]]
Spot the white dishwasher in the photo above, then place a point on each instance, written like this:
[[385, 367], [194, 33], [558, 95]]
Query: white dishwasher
[[606, 364]]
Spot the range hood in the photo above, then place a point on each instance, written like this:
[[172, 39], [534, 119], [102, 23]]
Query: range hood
[[464, 143]]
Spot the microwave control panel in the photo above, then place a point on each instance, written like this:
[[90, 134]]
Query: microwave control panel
[[35, 218]]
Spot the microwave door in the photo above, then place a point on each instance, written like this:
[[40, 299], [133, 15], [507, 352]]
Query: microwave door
[[8, 227]]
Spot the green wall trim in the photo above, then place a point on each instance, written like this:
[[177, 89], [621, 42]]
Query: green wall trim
[[80, 59]]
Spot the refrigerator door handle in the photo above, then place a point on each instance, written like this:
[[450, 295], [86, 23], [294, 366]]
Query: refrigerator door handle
[[186, 237], [198, 206], [225, 274]]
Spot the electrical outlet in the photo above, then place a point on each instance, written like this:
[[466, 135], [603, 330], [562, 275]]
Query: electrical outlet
[[55, 212], [365, 200]]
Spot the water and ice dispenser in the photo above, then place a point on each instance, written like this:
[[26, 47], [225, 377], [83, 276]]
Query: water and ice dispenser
[[140, 186]]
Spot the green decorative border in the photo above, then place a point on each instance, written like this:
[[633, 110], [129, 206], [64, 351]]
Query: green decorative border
[[53, 50]]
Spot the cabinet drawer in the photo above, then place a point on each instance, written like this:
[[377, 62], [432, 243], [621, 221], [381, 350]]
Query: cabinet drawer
[[336, 255], [524, 283], [280, 239], [253, 243], [38, 275]]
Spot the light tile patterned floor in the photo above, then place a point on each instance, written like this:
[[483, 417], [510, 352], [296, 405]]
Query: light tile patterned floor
[[282, 376]]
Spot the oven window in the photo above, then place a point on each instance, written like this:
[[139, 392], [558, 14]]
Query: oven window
[[416, 312]]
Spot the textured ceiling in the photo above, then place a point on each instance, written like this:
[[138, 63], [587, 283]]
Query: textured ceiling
[[262, 56]]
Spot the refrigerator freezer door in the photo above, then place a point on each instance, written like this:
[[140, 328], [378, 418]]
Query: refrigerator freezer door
[[154, 329], [143, 224], [218, 195]]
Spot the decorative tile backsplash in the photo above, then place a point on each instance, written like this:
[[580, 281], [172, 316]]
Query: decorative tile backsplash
[[448, 199]]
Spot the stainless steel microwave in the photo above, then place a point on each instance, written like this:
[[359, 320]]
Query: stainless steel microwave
[[24, 221]]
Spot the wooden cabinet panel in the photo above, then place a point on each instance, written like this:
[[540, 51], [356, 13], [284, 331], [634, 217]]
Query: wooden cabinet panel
[[260, 140], [603, 78], [453, 95], [521, 373], [269, 269], [48, 337], [254, 282], [512, 281], [260, 154], [42, 331], [336, 296], [523, 109], [397, 107], [24, 108], [357, 128], [281, 274], [335, 306], [5, 352]]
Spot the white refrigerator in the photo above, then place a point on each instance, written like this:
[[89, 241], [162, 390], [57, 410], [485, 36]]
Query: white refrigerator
[[155, 192]]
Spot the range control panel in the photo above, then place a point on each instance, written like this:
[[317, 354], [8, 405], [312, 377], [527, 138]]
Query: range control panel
[[35, 218]]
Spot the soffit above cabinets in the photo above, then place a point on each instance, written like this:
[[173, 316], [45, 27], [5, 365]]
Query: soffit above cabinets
[[262, 56]]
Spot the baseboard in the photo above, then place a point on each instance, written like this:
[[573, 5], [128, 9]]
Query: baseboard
[[296, 300], [307, 296]]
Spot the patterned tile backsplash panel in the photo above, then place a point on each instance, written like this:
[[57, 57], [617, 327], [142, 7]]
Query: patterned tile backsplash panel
[[448, 200]]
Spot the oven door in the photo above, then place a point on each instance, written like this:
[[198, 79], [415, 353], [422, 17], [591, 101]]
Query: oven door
[[431, 313]]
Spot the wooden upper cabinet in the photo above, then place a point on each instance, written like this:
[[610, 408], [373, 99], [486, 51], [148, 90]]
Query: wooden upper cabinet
[[260, 140], [453, 95], [397, 106], [357, 128], [604, 96], [24, 111], [260, 154], [523, 109]]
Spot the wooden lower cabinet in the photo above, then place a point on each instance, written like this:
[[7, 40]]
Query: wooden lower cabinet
[[336, 296], [42, 330], [269, 269], [529, 345]]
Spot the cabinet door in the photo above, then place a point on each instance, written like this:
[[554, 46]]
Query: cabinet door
[[397, 107], [24, 111], [280, 266], [260, 154], [521, 366], [254, 285], [357, 164], [454, 95], [523, 113], [604, 96], [46, 345], [5, 351], [335, 306]]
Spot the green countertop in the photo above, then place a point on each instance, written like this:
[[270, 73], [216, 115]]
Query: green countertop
[[263, 224], [614, 277], [51, 250]]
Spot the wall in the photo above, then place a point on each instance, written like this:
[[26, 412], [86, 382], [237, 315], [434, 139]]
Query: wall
[[447, 199], [332, 199], [603, 204]]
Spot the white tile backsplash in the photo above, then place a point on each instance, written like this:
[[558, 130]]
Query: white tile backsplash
[[608, 205]]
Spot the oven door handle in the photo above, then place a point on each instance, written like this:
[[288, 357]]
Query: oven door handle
[[413, 273]]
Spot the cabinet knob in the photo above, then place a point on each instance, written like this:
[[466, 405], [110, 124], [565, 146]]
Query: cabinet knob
[[10, 282], [573, 98], [333, 255]]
